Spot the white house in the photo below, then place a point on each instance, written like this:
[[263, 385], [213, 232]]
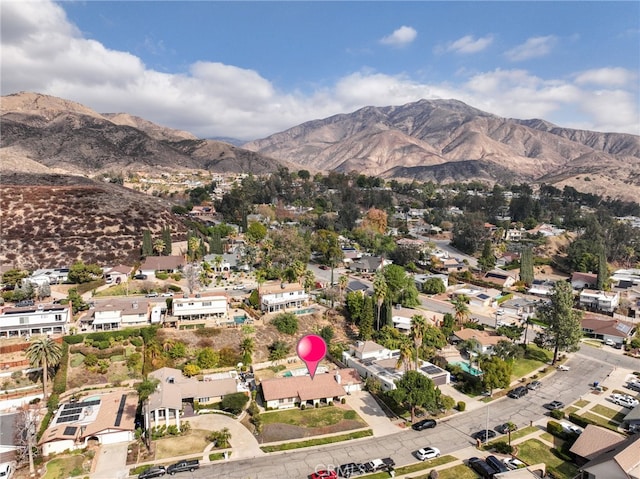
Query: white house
[[47, 276], [201, 306], [125, 313], [282, 296], [118, 274], [37, 319], [484, 341], [107, 419], [421, 279], [606, 301], [168, 264]]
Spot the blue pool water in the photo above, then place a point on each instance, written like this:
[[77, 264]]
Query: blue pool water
[[239, 319], [468, 369]]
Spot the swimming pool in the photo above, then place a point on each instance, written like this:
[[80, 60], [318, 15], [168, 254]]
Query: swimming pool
[[240, 319], [467, 368]]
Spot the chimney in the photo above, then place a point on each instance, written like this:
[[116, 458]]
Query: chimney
[[338, 378]]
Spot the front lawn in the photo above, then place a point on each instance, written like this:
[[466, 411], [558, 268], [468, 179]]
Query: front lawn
[[193, 442], [456, 472], [603, 421], [63, 467], [608, 412], [534, 451], [309, 418], [317, 442]]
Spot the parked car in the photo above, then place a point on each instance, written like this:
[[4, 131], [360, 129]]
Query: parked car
[[324, 474], [350, 469], [140, 276], [181, 466], [502, 428], [238, 286], [6, 471], [512, 463], [497, 464], [562, 367], [153, 471], [167, 295], [624, 400], [481, 467], [427, 453], [554, 405], [484, 434], [153, 294], [633, 385], [383, 464], [571, 428], [534, 385], [424, 424], [518, 392]]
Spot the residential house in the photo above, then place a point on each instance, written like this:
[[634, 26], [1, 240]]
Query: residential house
[[593, 441], [293, 391], [622, 461], [372, 360], [632, 420], [507, 258], [401, 317], [369, 264], [106, 419], [521, 307], [118, 274], [541, 287], [502, 278], [596, 300], [38, 319], [421, 279], [356, 285], [631, 276], [282, 296], [201, 306], [515, 234], [47, 276], [477, 297], [449, 265], [119, 313], [547, 230], [604, 328], [583, 280], [484, 341], [165, 264], [176, 391]]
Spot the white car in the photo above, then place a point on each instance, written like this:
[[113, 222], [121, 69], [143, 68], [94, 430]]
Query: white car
[[562, 367], [624, 400], [239, 286], [427, 453], [167, 295], [568, 427], [513, 463]]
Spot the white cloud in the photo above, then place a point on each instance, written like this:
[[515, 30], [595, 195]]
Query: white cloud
[[534, 47], [400, 37], [613, 77], [43, 52], [468, 44]]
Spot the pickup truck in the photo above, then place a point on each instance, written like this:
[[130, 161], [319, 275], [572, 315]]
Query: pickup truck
[[182, 466], [383, 464]]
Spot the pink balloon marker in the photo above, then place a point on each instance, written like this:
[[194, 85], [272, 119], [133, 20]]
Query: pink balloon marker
[[311, 349]]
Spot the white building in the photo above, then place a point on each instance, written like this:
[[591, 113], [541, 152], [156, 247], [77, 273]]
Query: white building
[[201, 306], [38, 319], [282, 296], [606, 301], [125, 313]]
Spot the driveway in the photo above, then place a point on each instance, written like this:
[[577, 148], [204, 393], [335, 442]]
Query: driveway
[[364, 404], [111, 462], [244, 443]]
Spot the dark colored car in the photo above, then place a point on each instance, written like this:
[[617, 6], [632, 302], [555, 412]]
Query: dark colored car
[[502, 428], [484, 434], [140, 276], [153, 471], [424, 424], [518, 392], [497, 464], [481, 467], [350, 469], [554, 405]]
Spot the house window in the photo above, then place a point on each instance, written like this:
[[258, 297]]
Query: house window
[[204, 399], [206, 303], [191, 304], [58, 317], [179, 305], [24, 320]]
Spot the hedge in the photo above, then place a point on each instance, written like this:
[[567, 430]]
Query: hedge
[[147, 334], [100, 353], [579, 420], [555, 429]]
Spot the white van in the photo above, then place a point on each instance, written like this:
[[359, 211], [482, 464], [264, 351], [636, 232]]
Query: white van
[[6, 471]]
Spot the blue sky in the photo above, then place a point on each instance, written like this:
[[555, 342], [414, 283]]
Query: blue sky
[[249, 69]]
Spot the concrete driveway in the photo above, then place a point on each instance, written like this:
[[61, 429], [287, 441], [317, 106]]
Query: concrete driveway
[[364, 404], [111, 462], [244, 443]]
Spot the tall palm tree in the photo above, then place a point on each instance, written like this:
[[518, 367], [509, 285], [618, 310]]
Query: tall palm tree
[[418, 329], [510, 427], [247, 348], [380, 291], [342, 284], [404, 359], [46, 353], [159, 246], [461, 309]]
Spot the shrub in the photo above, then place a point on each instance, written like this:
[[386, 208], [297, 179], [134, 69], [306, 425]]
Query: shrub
[[102, 345], [554, 428], [303, 407], [316, 405], [90, 360], [502, 447], [60, 379], [557, 414], [286, 323], [343, 401], [74, 339], [461, 406], [137, 341], [207, 332], [579, 420], [175, 288], [162, 276], [234, 403]]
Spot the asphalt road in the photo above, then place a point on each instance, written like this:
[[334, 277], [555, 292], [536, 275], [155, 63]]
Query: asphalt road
[[450, 435]]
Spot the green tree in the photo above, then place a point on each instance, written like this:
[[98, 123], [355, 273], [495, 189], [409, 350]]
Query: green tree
[[178, 350], [159, 247], [12, 277], [380, 292], [414, 390], [286, 323], [461, 309], [278, 350], [513, 332], [417, 333], [603, 271], [327, 334], [166, 238], [496, 372], [487, 260], [45, 353], [401, 287], [331, 254], [448, 322], [147, 243], [220, 438], [145, 388], [256, 232], [365, 324], [247, 348], [433, 286], [234, 403], [207, 358], [83, 273], [564, 324], [405, 356], [526, 266], [510, 427], [191, 369]]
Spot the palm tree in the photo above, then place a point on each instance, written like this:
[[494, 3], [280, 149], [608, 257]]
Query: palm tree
[[380, 291], [247, 348], [404, 359], [46, 353], [461, 309], [159, 246], [342, 284], [168, 343], [418, 329], [510, 427]]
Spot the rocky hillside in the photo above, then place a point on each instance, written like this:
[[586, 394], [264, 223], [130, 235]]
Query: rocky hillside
[[447, 140], [51, 220], [67, 137]]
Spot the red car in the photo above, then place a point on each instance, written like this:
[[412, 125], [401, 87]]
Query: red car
[[324, 475]]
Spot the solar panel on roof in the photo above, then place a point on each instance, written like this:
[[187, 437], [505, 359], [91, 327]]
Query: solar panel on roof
[[123, 401], [71, 412], [92, 402], [68, 418], [70, 430], [431, 369]]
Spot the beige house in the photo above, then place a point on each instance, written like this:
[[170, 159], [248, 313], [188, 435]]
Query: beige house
[[282, 296], [621, 461], [485, 341], [593, 441], [293, 391]]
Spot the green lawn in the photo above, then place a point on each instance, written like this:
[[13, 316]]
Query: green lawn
[[602, 421], [317, 442], [456, 472], [324, 416], [63, 467], [534, 451], [581, 403], [608, 412]]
